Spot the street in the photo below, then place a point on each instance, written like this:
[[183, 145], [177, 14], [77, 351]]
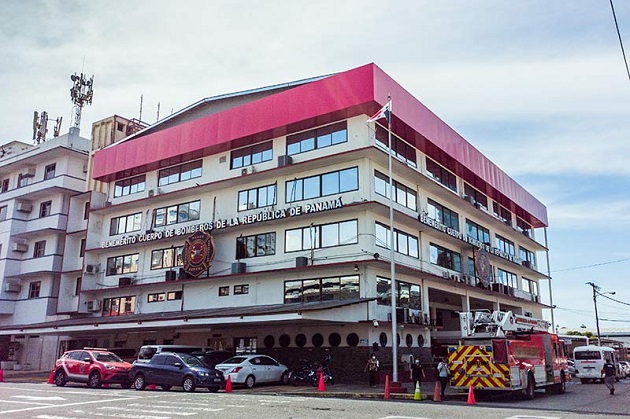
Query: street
[[45, 401]]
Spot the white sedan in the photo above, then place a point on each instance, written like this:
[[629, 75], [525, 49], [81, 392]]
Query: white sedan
[[251, 369]]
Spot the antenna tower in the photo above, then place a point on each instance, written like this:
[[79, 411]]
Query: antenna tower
[[81, 95]]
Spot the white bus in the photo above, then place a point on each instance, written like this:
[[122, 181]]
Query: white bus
[[589, 361]]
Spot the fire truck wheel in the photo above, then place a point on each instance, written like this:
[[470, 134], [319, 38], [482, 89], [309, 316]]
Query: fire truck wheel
[[530, 389]]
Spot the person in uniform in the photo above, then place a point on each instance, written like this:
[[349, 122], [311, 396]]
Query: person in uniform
[[610, 373]]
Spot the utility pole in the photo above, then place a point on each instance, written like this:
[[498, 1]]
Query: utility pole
[[595, 292]]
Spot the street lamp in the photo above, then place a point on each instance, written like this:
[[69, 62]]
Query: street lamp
[[595, 292]]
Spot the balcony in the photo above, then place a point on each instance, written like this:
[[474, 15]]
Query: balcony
[[47, 264], [34, 228], [7, 307]]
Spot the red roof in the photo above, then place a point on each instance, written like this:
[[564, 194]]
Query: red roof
[[362, 90]]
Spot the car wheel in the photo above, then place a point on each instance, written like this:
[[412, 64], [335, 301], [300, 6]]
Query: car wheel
[[530, 390], [94, 380], [583, 380], [139, 382], [188, 384], [60, 378], [126, 385], [213, 389], [250, 381], [285, 378], [166, 387]]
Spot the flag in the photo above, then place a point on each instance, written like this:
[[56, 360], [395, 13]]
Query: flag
[[383, 113]]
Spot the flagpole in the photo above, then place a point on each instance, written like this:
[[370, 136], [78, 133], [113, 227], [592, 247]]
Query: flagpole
[[392, 267]]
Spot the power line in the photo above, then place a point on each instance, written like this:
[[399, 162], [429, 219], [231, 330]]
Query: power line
[[612, 299], [623, 52], [591, 266]]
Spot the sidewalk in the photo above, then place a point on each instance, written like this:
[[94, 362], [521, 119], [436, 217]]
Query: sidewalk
[[353, 391]]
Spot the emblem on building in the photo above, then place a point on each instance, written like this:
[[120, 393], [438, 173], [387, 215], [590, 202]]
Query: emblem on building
[[198, 253], [482, 264]]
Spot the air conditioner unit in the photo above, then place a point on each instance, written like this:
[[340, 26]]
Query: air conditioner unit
[[498, 288], [92, 269], [93, 305], [12, 287], [284, 161], [182, 274], [151, 192], [24, 206], [170, 275], [239, 267], [107, 203], [29, 172], [243, 171], [301, 261], [527, 264], [20, 247], [125, 281]]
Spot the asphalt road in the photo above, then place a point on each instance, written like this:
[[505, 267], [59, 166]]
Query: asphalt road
[[25, 400]]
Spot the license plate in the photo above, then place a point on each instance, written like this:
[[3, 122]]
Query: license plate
[[217, 380]]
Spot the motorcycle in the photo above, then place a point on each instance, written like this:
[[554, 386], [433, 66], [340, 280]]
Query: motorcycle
[[324, 370], [304, 374]]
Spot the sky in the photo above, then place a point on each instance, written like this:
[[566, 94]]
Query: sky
[[539, 87]]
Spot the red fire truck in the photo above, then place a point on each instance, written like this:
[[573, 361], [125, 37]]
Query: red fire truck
[[505, 351]]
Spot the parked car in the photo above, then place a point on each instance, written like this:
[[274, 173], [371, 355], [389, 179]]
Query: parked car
[[93, 366], [212, 358], [168, 369], [146, 352], [571, 364], [624, 368], [251, 369]]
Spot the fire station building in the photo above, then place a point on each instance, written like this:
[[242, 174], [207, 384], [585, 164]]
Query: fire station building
[[280, 197]]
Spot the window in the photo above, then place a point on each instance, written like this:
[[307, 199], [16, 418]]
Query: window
[[40, 249], [317, 138], [445, 258], [82, 248], [441, 175], [34, 289], [257, 197], [443, 215], [251, 155], [323, 289], [122, 264], [475, 197], [403, 243], [5, 185], [163, 258], [125, 224], [256, 245], [400, 149], [504, 244], [119, 306], [502, 213], [407, 294], [530, 286], [477, 232], [45, 209], [86, 210], [403, 195], [241, 289], [180, 173], [506, 278], [174, 295], [130, 186], [22, 180], [3, 213], [322, 185], [523, 227], [319, 236], [156, 297], [177, 214], [120, 126], [49, 171], [528, 258], [224, 291], [77, 287]]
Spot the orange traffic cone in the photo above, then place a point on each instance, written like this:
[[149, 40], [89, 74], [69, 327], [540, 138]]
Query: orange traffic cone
[[471, 395], [436, 393], [321, 386], [228, 385], [386, 395], [51, 377]]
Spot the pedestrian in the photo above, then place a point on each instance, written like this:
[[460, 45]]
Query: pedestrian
[[416, 373], [609, 375], [372, 367], [442, 370]]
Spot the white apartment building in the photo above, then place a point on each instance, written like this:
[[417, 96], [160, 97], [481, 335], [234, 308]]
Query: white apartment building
[[292, 185]]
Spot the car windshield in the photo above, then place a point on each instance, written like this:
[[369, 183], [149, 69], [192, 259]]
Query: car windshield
[[235, 360], [191, 360], [107, 357]]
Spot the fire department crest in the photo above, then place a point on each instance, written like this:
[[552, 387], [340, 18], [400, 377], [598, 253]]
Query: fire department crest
[[483, 267], [198, 253]]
